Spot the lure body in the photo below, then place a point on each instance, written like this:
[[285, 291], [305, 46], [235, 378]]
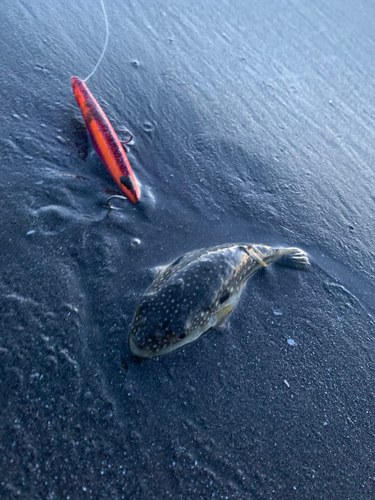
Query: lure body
[[105, 140]]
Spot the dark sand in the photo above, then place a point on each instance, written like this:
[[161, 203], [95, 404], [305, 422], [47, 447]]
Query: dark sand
[[253, 121]]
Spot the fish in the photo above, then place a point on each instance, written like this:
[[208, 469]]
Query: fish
[[197, 292], [105, 141]]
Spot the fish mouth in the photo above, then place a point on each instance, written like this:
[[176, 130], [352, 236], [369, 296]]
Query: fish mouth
[[143, 344], [175, 343], [147, 353], [139, 352], [139, 348], [157, 347]]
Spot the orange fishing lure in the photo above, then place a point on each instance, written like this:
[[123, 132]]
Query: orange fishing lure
[[105, 140]]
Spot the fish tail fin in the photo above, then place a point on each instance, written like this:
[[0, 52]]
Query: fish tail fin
[[293, 257]]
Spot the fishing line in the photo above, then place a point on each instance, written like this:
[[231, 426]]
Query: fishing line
[[105, 43]]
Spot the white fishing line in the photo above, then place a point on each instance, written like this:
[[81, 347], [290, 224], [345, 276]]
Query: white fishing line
[[105, 43]]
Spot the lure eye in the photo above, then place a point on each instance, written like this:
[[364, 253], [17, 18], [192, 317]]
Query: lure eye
[[127, 181]]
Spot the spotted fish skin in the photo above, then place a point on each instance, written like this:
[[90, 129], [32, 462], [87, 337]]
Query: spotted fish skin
[[197, 292]]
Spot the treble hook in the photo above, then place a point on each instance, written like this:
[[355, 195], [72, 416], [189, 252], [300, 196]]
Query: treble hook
[[129, 140], [111, 207], [115, 196]]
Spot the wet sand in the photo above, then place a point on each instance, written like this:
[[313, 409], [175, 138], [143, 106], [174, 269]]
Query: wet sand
[[251, 123]]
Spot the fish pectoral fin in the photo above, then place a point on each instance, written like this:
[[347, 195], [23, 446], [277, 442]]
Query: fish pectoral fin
[[254, 255], [222, 315]]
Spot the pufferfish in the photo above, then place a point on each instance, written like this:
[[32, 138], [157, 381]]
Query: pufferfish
[[197, 292]]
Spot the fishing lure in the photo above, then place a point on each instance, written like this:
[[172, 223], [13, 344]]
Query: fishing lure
[[105, 140], [103, 137]]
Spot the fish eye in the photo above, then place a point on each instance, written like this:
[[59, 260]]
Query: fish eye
[[224, 297], [177, 261]]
